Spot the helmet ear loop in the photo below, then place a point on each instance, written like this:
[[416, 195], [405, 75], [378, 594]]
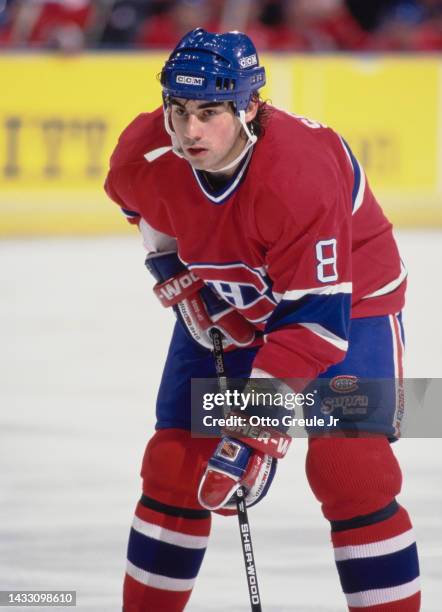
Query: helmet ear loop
[[167, 120], [249, 132], [167, 126]]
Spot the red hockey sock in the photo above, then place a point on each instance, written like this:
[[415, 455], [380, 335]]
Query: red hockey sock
[[377, 561], [356, 481], [169, 534], [143, 598], [166, 548]]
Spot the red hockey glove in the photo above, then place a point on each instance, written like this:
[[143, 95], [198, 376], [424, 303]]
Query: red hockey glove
[[235, 464], [247, 455], [197, 307]]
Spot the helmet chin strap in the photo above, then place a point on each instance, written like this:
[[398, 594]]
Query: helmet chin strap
[[175, 145], [251, 140]]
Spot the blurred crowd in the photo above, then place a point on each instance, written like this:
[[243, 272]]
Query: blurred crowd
[[274, 25]]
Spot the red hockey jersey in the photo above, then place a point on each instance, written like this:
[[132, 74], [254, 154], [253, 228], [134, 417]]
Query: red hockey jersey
[[295, 241]]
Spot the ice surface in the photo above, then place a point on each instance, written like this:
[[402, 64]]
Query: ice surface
[[83, 341]]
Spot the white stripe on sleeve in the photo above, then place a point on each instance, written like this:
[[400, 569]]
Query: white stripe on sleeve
[[297, 294], [326, 335], [391, 286], [151, 156]]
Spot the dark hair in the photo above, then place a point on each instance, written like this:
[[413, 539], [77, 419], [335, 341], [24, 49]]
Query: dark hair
[[257, 125]]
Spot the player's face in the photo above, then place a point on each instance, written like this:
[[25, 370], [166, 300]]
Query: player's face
[[208, 133]]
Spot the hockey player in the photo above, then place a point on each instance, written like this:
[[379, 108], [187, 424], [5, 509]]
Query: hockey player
[[266, 224]]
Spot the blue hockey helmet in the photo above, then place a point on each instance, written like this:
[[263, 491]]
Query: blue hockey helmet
[[214, 67]]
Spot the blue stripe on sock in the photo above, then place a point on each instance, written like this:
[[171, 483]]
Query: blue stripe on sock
[[187, 513], [162, 558], [366, 519], [379, 572]]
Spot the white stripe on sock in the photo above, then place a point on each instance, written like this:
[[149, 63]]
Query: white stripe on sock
[[167, 535], [374, 597], [375, 549], [157, 581]]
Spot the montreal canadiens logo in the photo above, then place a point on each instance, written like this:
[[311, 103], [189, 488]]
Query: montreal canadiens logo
[[344, 383], [247, 289]]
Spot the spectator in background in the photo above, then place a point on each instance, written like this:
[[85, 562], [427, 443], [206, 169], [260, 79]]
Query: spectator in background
[[411, 25], [58, 24], [6, 20], [165, 29], [369, 13], [302, 25], [274, 25], [324, 25], [428, 36], [264, 23], [120, 20]]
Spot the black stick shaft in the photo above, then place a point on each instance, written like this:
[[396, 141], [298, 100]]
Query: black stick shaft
[[247, 550], [243, 519], [218, 353]]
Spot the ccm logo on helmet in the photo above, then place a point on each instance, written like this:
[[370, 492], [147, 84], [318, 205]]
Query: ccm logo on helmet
[[190, 80], [250, 60]]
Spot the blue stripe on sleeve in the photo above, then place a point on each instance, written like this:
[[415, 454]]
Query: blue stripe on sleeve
[[356, 172], [163, 558], [130, 213], [379, 572], [330, 311]]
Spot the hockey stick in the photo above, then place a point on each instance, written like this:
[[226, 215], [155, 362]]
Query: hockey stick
[[243, 519]]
